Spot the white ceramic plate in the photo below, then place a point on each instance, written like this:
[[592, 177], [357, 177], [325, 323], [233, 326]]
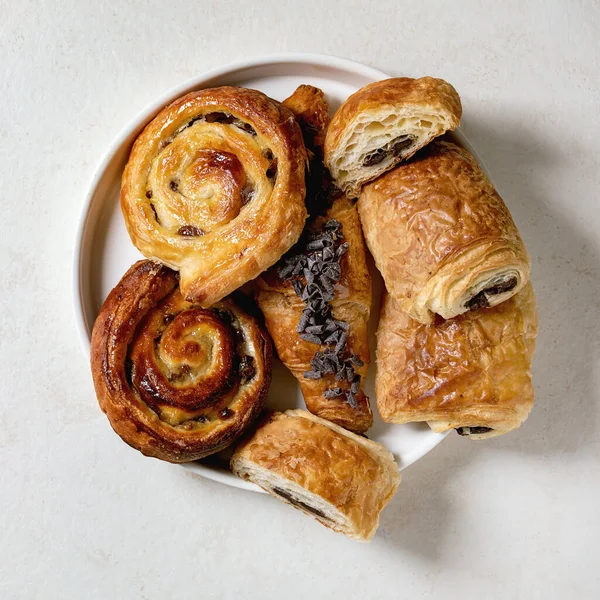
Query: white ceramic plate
[[104, 251]]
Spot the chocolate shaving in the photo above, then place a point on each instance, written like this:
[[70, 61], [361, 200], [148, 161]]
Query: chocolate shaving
[[313, 272]]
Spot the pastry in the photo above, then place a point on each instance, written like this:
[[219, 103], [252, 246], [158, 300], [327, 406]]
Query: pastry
[[471, 373], [316, 305], [441, 236], [342, 479], [386, 122], [177, 381], [214, 188], [316, 300]]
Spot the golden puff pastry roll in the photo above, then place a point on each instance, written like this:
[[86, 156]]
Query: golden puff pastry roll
[[214, 188], [441, 235], [177, 381], [341, 479], [386, 122], [316, 303], [471, 373]]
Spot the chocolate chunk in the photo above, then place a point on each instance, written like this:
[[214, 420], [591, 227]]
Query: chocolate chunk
[[332, 393], [374, 158], [309, 337], [299, 504], [399, 144], [313, 374], [356, 361], [190, 231], [472, 430], [149, 194], [174, 186], [478, 301], [226, 413], [202, 419]]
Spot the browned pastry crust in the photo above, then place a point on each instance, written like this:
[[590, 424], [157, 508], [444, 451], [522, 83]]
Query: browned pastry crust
[[341, 479], [386, 122], [312, 113], [282, 309], [441, 235], [281, 306], [214, 188], [471, 373], [177, 381]]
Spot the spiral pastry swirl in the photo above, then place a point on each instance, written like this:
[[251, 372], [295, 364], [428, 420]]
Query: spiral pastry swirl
[[214, 188], [177, 381]]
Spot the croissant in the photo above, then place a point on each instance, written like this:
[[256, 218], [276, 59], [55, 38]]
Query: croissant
[[441, 236], [177, 381], [471, 373], [316, 301], [384, 123], [341, 479], [214, 188]]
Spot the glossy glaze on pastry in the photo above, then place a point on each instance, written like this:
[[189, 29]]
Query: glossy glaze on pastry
[[341, 479], [441, 235], [177, 381], [471, 373], [386, 122], [214, 188]]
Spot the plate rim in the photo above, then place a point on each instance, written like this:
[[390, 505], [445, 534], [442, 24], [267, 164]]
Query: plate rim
[[131, 129]]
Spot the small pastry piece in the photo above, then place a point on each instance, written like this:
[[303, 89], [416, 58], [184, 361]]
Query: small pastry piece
[[316, 300], [341, 479], [177, 381], [471, 373], [316, 304], [386, 122], [214, 188], [441, 236]]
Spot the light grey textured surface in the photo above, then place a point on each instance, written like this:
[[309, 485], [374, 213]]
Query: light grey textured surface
[[83, 516]]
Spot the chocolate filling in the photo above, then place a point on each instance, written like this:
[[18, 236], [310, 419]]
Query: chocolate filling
[[480, 300], [299, 504], [472, 430], [393, 148], [190, 231]]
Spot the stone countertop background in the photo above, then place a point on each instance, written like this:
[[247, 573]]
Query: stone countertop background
[[83, 516]]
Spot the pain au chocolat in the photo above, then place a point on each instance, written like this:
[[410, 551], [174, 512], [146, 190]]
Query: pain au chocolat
[[471, 373], [384, 123], [341, 479], [441, 235]]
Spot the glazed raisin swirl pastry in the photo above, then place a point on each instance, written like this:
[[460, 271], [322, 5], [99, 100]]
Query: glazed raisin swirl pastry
[[441, 235], [177, 381], [214, 188]]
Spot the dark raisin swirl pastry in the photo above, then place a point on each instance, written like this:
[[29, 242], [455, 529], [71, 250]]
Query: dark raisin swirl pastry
[[177, 381], [214, 188]]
